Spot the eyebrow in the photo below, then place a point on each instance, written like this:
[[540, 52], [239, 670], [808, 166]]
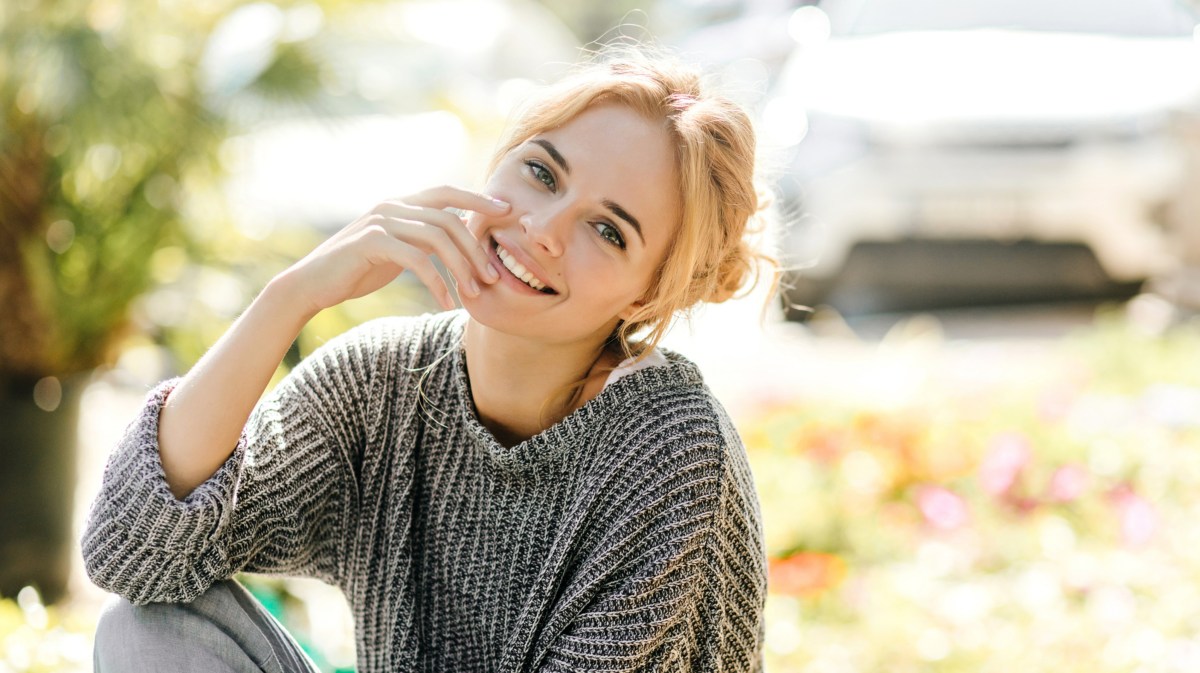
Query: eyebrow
[[554, 154], [608, 203], [624, 215]]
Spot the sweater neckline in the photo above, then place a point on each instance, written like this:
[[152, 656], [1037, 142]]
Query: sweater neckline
[[580, 425]]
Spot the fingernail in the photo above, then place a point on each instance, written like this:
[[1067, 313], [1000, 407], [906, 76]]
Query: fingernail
[[498, 203], [493, 273], [474, 287]]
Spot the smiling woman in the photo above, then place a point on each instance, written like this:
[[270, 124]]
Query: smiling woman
[[526, 484], [568, 232]]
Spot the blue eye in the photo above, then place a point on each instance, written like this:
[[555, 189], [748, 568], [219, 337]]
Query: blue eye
[[611, 234], [542, 174]]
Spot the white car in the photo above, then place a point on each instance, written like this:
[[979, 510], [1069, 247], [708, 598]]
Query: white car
[[981, 151]]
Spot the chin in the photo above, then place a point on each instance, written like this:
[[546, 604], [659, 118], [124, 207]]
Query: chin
[[489, 310]]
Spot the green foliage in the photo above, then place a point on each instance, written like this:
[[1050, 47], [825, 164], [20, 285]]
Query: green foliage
[[95, 143], [108, 142]]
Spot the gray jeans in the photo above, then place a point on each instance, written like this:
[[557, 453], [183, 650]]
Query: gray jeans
[[224, 630]]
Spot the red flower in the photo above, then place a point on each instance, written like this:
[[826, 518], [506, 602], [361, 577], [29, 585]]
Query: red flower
[[806, 574]]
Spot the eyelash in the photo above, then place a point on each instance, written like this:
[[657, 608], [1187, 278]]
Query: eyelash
[[619, 241], [539, 170]]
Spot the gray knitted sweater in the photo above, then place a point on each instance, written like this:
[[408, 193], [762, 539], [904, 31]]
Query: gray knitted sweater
[[627, 537]]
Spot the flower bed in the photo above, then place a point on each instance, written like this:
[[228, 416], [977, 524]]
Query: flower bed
[[1041, 523]]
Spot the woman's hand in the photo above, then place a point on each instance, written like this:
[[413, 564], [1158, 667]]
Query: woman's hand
[[397, 235]]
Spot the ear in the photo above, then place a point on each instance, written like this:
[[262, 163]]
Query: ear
[[625, 314]]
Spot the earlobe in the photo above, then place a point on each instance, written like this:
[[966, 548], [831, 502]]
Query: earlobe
[[630, 310]]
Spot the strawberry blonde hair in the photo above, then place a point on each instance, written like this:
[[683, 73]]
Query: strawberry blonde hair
[[711, 257]]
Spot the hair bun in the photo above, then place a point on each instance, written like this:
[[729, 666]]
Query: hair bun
[[743, 263], [731, 274]]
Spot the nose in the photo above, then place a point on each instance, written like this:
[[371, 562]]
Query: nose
[[545, 230]]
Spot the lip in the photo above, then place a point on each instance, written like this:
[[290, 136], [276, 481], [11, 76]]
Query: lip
[[524, 260]]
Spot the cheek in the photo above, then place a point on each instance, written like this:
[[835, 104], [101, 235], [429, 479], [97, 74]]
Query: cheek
[[606, 282]]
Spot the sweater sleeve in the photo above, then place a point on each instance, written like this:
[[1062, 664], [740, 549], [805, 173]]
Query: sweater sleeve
[[690, 595], [281, 503]]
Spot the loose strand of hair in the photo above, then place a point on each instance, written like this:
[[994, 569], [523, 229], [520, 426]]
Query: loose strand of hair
[[425, 402]]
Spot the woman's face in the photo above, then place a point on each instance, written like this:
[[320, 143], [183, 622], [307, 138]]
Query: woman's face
[[595, 204]]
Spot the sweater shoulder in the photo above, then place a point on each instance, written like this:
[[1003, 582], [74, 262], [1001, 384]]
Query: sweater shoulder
[[684, 417], [689, 444]]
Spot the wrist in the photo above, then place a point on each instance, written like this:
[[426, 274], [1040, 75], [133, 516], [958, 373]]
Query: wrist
[[284, 302]]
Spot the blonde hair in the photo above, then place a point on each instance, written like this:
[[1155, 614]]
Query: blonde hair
[[711, 257]]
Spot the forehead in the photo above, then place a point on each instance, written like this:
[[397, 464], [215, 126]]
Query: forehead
[[614, 153]]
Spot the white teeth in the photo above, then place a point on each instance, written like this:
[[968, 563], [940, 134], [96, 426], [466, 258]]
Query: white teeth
[[517, 269]]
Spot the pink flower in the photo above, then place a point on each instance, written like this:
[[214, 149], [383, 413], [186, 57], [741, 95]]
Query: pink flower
[[1007, 456], [1139, 520], [1068, 483], [942, 508]]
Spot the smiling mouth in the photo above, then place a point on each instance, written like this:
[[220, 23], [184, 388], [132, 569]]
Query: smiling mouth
[[519, 271]]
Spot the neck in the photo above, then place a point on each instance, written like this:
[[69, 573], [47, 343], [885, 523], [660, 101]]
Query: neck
[[520, 385]]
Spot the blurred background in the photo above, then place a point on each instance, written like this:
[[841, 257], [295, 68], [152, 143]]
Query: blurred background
[[972, 407]]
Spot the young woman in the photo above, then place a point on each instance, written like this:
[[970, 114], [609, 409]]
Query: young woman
[[521, 485]]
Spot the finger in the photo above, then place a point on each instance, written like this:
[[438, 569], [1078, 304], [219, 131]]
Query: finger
[[444, 247], [417, 261], [467, 244], [449, 196], [432, 240]]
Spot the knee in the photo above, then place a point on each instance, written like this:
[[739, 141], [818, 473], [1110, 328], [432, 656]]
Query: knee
[[140, 637], [118, 621], [120, 629], [161, 636], [123, 622], [125, 628]]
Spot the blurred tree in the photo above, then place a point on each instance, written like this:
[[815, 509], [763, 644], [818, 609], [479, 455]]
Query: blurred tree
[[108, 118]]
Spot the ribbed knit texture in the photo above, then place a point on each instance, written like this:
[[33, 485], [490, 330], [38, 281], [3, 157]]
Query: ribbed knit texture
[[627, 537]]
